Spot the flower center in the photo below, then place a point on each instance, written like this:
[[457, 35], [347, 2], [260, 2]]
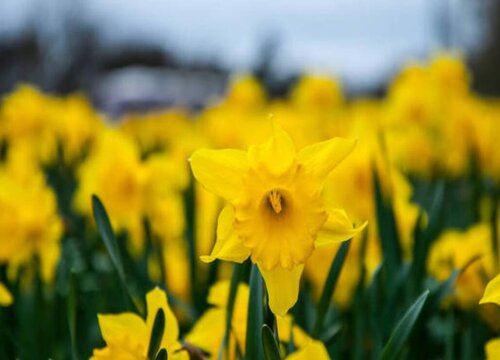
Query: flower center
[[275, 201]]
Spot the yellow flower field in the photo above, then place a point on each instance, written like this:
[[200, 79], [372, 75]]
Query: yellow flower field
[[312, 226]]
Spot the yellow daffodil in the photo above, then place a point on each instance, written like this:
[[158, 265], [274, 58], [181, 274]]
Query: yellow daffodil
[[29, 222], [5, 296], [492, 292], [455, 249], [492, 349], [492, 295], [314, 350], [275, 213], [127, 335], [208, 332]]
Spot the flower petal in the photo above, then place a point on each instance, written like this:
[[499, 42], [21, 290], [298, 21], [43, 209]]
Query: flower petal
[[314, 350], [208, 331], [116, 328], [300, 338], [282, 287], [219, 293], [337, 228], [227, 245], [492, 349], [5, 296], [492, 292], [321, 158], [156, 299], [277, 155], [220, 171]]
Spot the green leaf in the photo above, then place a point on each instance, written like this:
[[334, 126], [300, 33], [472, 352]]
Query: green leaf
[[190, 215], [72, 304], [387, 229], [162, 355], [156, 334], [108, 237], [255, 318], [436, 211], [238, 270], [107, 234], [403, 329], [446, 287], [329, 287], [423, 238], [271, 350]]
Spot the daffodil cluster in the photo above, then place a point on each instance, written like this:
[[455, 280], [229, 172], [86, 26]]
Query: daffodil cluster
[[347, 208]]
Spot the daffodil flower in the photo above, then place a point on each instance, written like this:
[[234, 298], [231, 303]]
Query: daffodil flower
[[492, 295], [127, 335], [5, 296], [275, 212], [208, 332]]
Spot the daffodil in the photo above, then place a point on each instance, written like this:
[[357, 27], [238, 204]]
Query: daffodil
[[30, 225], [492, 295], [127, 335], [275, 213], [5, 296], [492, 292], [208, 332], [314, 350], [453, 250]]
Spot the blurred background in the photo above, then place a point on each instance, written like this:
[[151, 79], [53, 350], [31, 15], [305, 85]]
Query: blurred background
[[128, 54]]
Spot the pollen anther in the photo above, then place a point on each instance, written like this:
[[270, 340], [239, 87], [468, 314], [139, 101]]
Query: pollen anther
[[275, 201]]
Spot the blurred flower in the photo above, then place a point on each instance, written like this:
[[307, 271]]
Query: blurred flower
[[114, 172], [492, 292], [127, 335], [313, 350], [317, 93], [275, 212], [76, 125], [492, 349], [455, 249], [5, 296], [28, 216], [492, 295], [208, 332]]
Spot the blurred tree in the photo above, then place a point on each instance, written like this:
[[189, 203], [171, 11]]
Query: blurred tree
[[484, 66]]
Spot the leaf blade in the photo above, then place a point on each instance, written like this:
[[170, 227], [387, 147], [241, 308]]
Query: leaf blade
[[271, 350], [403, 329]]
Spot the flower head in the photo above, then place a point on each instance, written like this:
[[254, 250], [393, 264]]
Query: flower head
[[275, 213], [127, 335]]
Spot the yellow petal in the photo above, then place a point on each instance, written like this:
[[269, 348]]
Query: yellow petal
[[277, 154], [5, 296], [219, 293], [208, 331], [321, 158], [337, 228], [492, 349], [227, 245], [314, 350], [114, 352], [220, 171], [300, 338], [282, 287], [156, 299], [116, 328], [492, 292], [49, 256]]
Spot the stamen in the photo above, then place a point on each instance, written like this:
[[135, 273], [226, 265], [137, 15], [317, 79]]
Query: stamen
[[275, 201]]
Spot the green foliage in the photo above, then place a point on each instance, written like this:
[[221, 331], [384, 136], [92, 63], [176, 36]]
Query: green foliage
[[271, 350], [156, 334], [402, 330]]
